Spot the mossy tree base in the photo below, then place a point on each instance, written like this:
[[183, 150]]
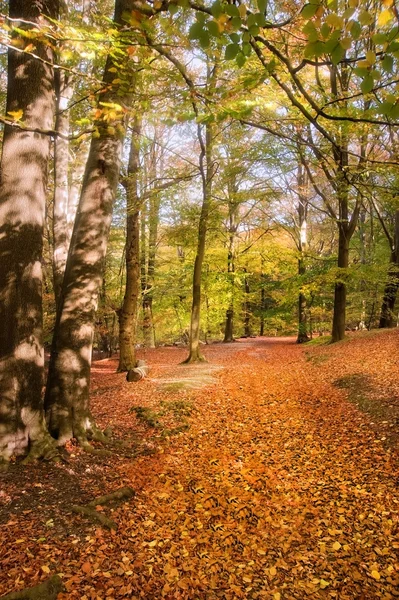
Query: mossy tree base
[[89, 510], [48, 590]]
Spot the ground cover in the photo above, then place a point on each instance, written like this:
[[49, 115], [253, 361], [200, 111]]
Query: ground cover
[[269, 472]]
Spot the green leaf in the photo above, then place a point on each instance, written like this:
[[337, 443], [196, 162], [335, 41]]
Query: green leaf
[[260, 19], [213, 28], [337, 54], [204, 40], [173, 8], [231, 51], [309, 10], [325, 30], [216, 9], [232, 10], [367, 84], [254, 30], [196, 30], [251, 20], [234, 37], [246, 36], [379, 38], [246, 49], [365, 18], [349, 12], [240, 59], [310, 31], [356, 30], [235, 22], [262, 5], [387, 63]]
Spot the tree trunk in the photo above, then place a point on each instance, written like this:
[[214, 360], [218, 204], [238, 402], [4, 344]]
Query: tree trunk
[[387, 318], [247, 308], [302, 210], [67, 393], [339, 317], [129, 311], [206, 173], [24, 166], [64, 91], [233, 209]]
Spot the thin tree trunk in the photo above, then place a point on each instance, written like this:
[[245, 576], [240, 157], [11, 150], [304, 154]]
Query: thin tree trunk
[[339, 316], [67, 394], [64, 91], [206, 173], [129, 312], [233, 207], [23, 186], [388, 318], [302, 210], [247, 307]]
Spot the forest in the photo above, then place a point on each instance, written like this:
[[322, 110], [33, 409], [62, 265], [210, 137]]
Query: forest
[[199, 232]]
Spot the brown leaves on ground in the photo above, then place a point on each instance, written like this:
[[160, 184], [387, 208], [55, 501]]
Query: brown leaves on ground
[[285, 485]]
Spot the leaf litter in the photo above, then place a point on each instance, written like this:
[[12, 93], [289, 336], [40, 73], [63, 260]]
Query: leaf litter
[[279, 485]]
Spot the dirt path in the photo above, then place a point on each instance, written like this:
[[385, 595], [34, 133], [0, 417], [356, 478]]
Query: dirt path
[[280, 488]]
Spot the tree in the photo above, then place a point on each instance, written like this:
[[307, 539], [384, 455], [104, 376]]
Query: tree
[[24, 169], [67, 399]]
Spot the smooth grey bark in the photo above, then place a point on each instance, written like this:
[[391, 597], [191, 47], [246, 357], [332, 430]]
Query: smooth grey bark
[[206, 169], [67, 393], [302, 211], [23, 186], [64, 91], [233, 206], [129, 312]]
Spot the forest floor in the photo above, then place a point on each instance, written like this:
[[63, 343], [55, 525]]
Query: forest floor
[[269, 472]]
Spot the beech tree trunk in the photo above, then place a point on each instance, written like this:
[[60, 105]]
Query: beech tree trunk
[[64, 91], [129, 312], [206, 173], [233, 210], [23, 187], [387, 318], [67, 393], [339, 316], [247, 307], [302, 210]]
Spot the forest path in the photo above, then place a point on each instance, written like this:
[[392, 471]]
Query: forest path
[[281, 487]]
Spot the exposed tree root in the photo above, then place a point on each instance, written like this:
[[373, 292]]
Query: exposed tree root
[[190, 360], [94, 515], [44, 448], [48, 590], [89, 510]]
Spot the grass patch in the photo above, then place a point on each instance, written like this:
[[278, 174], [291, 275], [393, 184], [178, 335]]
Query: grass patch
[[170, 419], [323, 340]]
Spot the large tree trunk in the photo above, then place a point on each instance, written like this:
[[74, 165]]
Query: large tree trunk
[[24, 165], [67, 394], [387, 318], [339, 316], [129, 312], [64, 91]]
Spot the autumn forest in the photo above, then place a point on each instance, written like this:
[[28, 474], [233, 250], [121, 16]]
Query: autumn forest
[[199, 232]]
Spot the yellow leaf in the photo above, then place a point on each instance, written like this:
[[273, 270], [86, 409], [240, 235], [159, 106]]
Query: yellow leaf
[[323, 583], [336, 546], [384, 17], [276, 596], [375, 575], [272, 571], [370, 57], [387, 3], [153, 543], [45, 569], [16, 114], [242, 9]]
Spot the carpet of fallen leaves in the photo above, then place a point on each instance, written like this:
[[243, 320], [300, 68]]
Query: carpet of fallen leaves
[[282, 483]]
